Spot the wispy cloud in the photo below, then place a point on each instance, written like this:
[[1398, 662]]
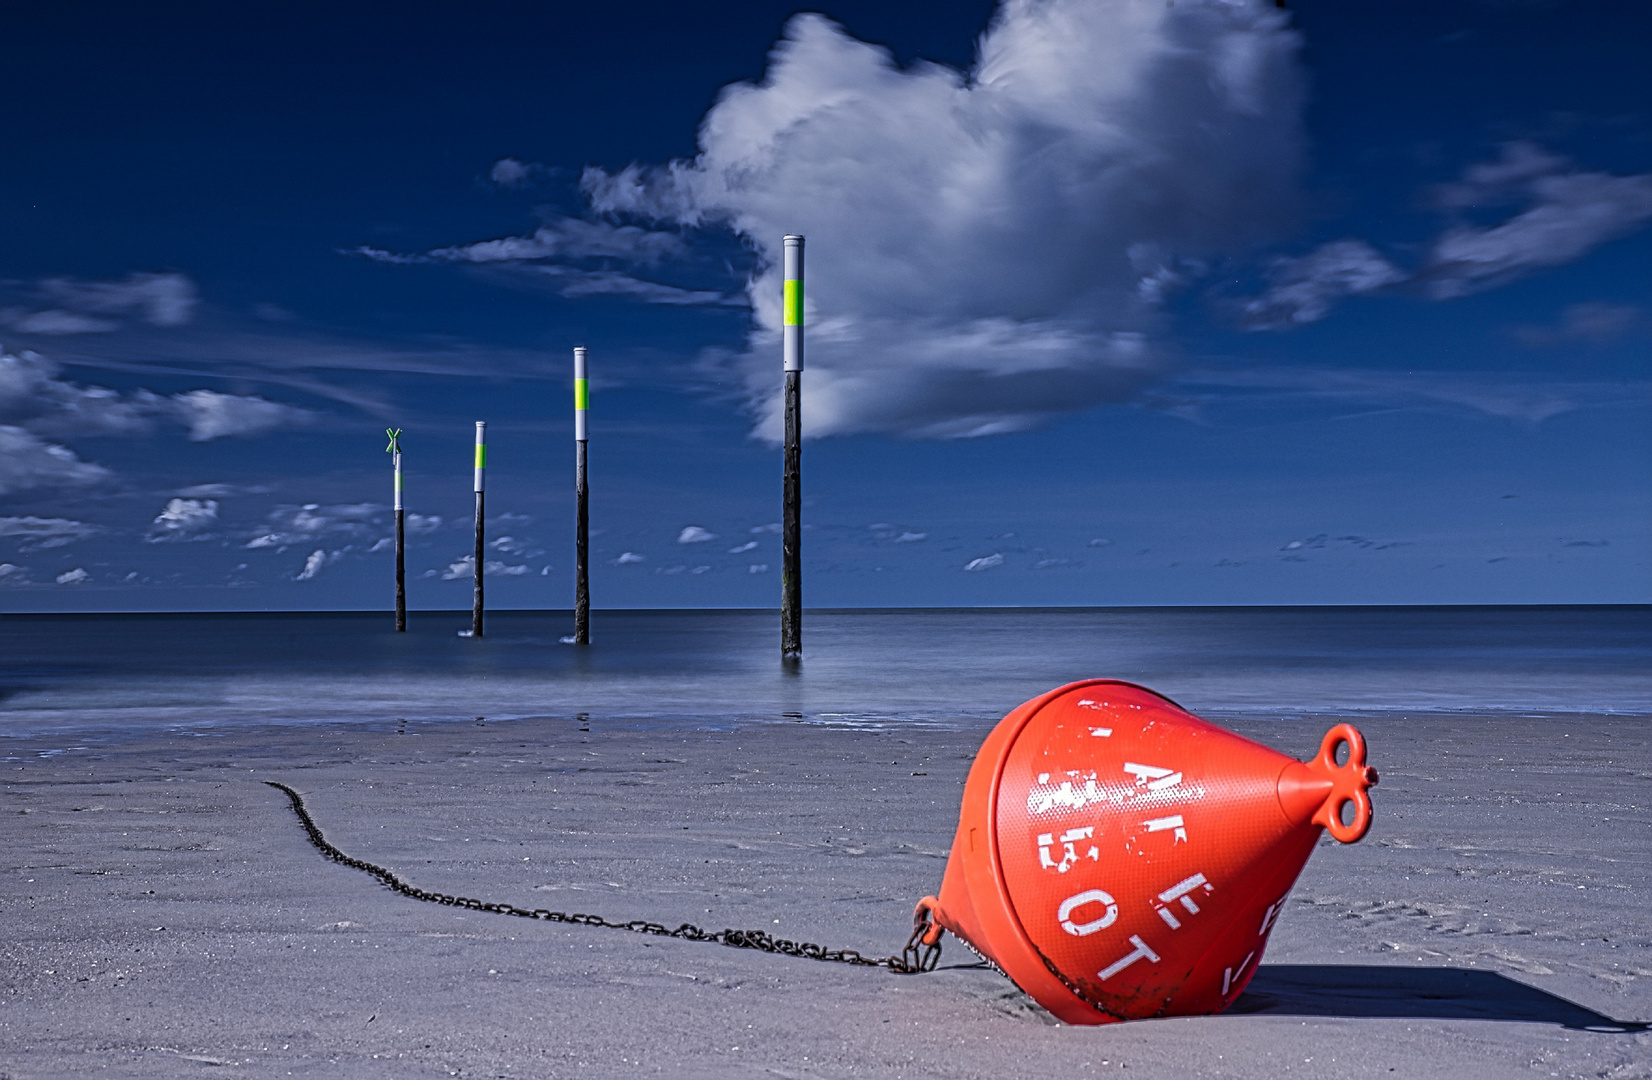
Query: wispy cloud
[[27, 461], [35, 397], [77, 576], [985, 562], [1591, 323], [36, 533], [575, 258], [1564, 213], [694, 534], [1509, 396], [1304, 289], [210, 415], [1553, 213], [64, 306], [511, 173]]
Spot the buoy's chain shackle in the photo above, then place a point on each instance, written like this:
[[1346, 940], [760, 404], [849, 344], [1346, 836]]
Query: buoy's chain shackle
[[917, 957]]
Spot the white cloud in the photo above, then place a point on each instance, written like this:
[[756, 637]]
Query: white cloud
[[316, 562], [986, 249], [465, 568], [37, 532], [460, 568], [300, 524], [1565, 213], [419, 524], [758, 568], [210, 415], [693, 534], [629, 557], [740, 549], [1304, 289], [986, 562], [27, 461], [183, 519], [12, 574], [910, 537], [77, 576]]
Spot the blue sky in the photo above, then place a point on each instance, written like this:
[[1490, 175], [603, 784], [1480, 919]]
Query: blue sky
[[1110, 302]]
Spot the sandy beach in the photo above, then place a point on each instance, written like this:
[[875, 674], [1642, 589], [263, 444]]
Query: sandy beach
[[164, 914]]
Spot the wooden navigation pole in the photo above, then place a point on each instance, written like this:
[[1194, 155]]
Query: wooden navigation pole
[[791, 516], [582, 509], [481, 470], [395, 451]]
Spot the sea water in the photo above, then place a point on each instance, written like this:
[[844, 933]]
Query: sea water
[[131, 674]]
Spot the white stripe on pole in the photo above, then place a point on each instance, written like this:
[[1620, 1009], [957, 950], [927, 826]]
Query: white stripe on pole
[[582, 390], [792, 303], [398, 505], [481, 452]]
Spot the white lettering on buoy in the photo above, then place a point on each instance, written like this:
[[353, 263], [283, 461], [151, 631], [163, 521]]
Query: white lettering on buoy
[[1228, 974], [1043, 798], [1180, 891], [1141, 950], [1153, 777], [1089, 896], [1174, 821], [1069, 850], [1270, 916]]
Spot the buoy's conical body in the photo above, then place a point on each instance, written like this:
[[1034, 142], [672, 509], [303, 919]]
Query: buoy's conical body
[[1120, 858]]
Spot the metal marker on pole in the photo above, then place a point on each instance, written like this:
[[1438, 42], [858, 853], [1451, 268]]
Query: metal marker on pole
[[395, 450], [481, 468], [791, 537], [582, 512]]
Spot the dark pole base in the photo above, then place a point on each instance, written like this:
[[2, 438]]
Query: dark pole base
[[791, 539], [401, 575], [476, 603], [582, 549]]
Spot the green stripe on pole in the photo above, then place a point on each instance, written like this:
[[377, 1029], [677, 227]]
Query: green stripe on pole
[[582, 393], [794, 303], [481, 455]]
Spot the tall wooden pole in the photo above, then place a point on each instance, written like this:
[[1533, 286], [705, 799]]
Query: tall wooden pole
[[395, 449], [791, 517], [582, 511], [481, 470]]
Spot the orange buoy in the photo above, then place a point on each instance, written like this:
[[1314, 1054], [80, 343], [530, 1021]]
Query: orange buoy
[[1120, 858]]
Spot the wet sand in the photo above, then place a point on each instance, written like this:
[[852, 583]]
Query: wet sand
[[163, 914]]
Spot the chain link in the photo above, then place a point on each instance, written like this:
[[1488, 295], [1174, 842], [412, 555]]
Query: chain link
[[917, 957]]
